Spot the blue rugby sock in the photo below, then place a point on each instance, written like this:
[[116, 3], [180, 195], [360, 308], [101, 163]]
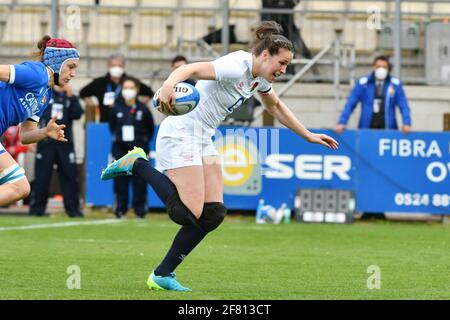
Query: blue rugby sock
[[187, 238], [160, 183]]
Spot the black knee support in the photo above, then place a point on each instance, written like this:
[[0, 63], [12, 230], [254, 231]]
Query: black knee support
[[212, 216], [178, 212]]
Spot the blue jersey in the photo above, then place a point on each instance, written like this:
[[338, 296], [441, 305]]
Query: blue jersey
[[25, 96]]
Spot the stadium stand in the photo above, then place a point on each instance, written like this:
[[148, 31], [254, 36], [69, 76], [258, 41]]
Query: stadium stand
[[322, 5], [30, 21], [244, 20], [318, 30], [356, 31], [149, 30], [107, 28]]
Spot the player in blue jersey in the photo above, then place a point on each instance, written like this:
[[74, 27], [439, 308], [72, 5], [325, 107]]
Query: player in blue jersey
[[25, 91]]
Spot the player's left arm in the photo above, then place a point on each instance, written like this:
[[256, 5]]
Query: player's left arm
[[29, 132], [282, 113]]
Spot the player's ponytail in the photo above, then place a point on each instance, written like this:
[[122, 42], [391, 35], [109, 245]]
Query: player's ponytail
[[269, 35], [42, 44]]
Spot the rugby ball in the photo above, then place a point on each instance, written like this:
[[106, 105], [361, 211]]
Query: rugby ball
[[187, 98]]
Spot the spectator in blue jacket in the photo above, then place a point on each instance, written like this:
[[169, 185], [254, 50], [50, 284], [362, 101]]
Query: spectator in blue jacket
[[379, 94]]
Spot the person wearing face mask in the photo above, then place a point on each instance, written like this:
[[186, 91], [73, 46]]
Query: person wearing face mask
[[379, 94], [107, 89], [66, 108], [131, 123]]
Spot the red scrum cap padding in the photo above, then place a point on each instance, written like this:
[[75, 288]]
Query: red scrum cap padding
[[59, 43]]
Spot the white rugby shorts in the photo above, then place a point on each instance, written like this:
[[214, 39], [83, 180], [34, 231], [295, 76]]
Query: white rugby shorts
[[181, 145]]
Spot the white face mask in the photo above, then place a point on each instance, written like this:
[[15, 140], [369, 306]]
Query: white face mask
[[381, 73], [129, 94], [116, 71]]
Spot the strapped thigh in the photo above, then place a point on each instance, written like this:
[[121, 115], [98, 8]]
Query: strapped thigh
[[12, 174]]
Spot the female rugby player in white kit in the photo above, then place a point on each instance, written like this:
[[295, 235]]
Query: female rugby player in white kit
[[192, 188]]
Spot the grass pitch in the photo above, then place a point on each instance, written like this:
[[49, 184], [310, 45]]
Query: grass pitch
[[240, 260]]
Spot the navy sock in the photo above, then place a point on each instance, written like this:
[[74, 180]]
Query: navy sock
[[160, 183], [187, 238]]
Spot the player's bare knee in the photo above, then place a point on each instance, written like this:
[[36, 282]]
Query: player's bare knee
[[212, 216], [196, 209], [21, 189], [24, 188]]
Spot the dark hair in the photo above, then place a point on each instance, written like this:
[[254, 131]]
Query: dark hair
[[269, 35], [178, 58], [41, 45], [382, 58], [136, 82]]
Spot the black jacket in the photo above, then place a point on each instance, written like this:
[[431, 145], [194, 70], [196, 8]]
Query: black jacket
[[99, 86], [138, 116], [67, 109]]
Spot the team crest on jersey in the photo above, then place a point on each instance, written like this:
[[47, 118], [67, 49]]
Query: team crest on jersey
[[44, 99]]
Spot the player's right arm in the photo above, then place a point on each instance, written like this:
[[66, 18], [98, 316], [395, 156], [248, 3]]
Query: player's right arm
[[5, 72], [29, 132], [198, 70]]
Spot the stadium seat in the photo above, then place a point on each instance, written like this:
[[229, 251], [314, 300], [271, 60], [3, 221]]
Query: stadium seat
[[23, 28], [356, 32], [245, 4], [159, 7], [317, 32], [149, 32], [363, 6], [324, 6], [77, 2], [440, 8], [194, 22], [414, 7], [4, 5], [33, 2], [159, 3], [106, 29], [119, 3], [67, 30], [244, 21], [209, 4]]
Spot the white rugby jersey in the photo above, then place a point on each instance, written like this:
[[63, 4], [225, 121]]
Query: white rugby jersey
[[233, 85]]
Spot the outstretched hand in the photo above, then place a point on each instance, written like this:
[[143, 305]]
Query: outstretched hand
[[323, 139], [167, 100], [55, 131]]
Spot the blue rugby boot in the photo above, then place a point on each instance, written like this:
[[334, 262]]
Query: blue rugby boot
[[169, 282], [124, 165]]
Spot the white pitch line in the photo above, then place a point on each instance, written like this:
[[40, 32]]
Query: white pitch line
[[61, 224]]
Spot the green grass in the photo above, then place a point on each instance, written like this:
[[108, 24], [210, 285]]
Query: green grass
[[240, 260]]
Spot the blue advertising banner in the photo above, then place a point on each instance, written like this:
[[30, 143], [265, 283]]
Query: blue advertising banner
[[387, 170], [399, 172]]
